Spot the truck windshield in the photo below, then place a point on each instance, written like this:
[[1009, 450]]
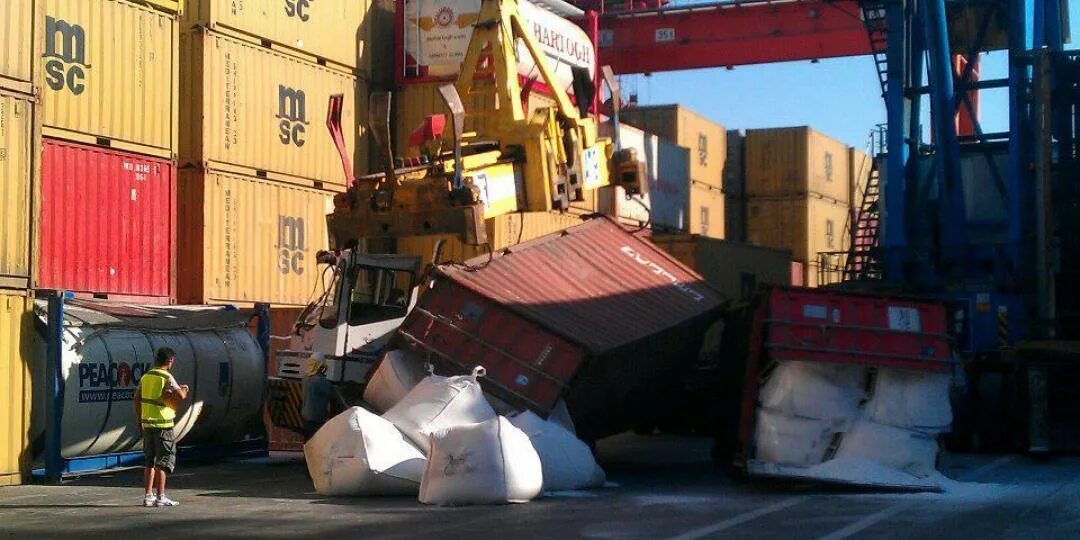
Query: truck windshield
[[378, 294]]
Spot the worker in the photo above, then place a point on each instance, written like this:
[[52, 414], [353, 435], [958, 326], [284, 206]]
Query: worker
[[156, 400], [318, 391]]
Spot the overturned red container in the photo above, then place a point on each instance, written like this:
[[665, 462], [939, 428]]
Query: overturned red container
[[108, 223], [593, 314]]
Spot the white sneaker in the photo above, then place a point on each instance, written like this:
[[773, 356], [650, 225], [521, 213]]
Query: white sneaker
[[165, 501], [149, 500]]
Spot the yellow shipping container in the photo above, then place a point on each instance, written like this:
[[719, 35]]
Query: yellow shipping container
[[20, 26], [110, 75], [244, 240], [706, 211], [255, 111], [805, 226], [18, 165], [171, 6], [859, 164], [796, 161], [707, 140], [503, 232], [331, 33], [16, 351]]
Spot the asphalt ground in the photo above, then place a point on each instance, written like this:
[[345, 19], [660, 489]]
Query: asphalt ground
[[659, 487]]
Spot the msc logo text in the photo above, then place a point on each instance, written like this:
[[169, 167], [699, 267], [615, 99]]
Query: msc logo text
[[298, 9], [292, 115], [65, 56], [291, 245]]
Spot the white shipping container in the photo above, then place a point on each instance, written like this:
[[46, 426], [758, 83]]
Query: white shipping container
[[668, 166]]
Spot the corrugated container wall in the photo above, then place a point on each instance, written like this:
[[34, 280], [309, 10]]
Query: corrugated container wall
[[326, 32], [110, 75], [108, 221], [667, 202], [859, 163], [246, 240], [171, 6], [796, 161], [735, 269], [706, 210], [16, 351], [18, 165], [20, 28], [503, 232], [252, 110], [804, 226], [707, 140], [735, 187]]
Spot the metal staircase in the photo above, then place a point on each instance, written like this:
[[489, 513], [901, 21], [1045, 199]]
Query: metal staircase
[[873, 16], [862, 262]]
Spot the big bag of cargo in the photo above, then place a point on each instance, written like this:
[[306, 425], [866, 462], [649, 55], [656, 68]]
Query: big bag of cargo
[[440, 402], [911, 399], [814, 390], [359, 453], [398, 373], [489, 462], [567, 462]]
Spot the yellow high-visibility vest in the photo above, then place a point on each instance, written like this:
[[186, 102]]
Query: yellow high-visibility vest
[[154, 411]]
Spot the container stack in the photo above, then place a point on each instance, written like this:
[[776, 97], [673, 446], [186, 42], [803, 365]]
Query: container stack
[[258, 168], [107, 191], [707, 142], [21, 25], [666, 205], [798, 193]]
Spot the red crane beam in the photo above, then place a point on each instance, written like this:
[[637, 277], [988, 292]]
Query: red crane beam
[[730, 34]]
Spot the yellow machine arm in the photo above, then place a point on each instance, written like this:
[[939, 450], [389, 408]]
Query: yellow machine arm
[[538, 163]]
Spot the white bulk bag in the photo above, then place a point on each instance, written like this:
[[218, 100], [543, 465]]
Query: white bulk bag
[[359, 453], [398, 372], [440, 402], [814, 390], [901, 449], [911, 399], [568, 464], [560, 414], [790, 440], [490, 462]]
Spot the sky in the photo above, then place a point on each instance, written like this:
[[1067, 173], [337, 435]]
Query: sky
[[840, 97]]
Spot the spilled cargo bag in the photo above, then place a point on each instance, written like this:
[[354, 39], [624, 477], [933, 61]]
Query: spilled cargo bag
[[567, 462], [814, 390], [359, 453], [490, 462], [398, 373], [911, 399], [791, 440], [905, 450], [440, 402]]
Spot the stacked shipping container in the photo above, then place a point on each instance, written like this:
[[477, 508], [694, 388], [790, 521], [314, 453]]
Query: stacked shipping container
[[21, 27], [258, 167], [707, 142], [798, 193]]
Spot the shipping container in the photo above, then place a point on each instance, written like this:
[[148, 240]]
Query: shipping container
[[245, 240], [330, 33], [796, 161], [433, 39], [170, 6], [859, 163], [736, 270], [110, 75], [735, 187], [18, 168], [20, 28], [667, 203], [16, 352], [707, 211], [806, 226], [706, 139], [503, 232], [255, 111], [108, 222], [595, 315]]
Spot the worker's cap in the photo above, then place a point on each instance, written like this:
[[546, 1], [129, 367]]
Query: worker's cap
[[315, 363]]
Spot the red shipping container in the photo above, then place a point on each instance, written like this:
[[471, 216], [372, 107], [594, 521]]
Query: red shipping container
[[594, 314], [108, 222]]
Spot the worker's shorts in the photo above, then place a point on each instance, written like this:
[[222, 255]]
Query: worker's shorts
[[159, 448]]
